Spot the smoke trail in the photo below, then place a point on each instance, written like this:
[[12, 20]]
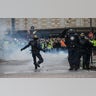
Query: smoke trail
[[49, 58], [55, 58], [3, 32], [9, 45], [13, 52], [10, 49]]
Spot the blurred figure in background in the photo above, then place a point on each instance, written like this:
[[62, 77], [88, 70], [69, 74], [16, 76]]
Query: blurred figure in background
[[85, 50], [63, 45]]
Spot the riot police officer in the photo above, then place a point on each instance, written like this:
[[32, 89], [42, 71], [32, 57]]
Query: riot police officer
[[72, 42], [85, 49], [35, 49]]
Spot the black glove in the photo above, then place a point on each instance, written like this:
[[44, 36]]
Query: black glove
[[21, 49]]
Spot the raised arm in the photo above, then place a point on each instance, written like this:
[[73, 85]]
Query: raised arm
[[25, 46]]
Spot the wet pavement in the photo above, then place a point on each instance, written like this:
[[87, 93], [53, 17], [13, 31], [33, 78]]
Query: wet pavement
[[56, 69]]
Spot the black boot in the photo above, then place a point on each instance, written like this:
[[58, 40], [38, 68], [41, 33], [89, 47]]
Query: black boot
[[35, 67], [76, 69], [38, 65], [70, 69]]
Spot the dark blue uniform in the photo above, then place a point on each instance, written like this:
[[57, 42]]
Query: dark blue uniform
[[85, 50], [35, 49], [72, 42]]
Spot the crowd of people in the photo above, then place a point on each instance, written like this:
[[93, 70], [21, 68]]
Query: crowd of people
[[79, 47], [53, 44]]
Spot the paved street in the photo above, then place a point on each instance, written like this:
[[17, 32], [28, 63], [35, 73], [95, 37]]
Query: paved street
[[54, 67]]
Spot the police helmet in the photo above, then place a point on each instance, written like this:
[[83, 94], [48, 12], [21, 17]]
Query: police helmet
[[82, 34], [71, 31], [32, 27], [35, 37]]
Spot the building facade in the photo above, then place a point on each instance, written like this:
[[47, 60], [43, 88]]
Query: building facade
[[44, 23]]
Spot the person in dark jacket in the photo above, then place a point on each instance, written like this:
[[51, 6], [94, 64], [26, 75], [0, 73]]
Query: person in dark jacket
[[85, 49], [35, 49], [72, 43], [32, 31]]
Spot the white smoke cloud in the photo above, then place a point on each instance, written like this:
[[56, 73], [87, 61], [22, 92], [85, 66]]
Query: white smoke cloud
[[49, 58], [2, 33], [12, 51]]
